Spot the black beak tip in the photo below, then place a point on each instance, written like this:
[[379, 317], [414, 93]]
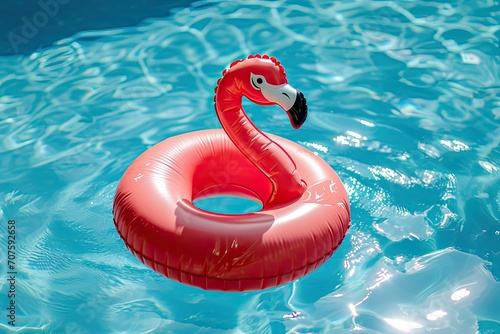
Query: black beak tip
[[298, 112]]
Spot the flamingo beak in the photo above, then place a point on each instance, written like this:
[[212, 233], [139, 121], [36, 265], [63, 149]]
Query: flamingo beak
[[291, 100], [298, 112]]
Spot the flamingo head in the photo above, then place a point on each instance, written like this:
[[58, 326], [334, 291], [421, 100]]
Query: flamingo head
[[262, 80]]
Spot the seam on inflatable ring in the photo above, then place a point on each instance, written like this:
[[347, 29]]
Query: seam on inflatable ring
[[315, 263]]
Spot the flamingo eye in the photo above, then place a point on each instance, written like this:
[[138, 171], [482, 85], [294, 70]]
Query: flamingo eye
[[257, 81]]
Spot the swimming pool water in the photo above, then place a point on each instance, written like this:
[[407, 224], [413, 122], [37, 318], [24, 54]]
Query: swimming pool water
[[404, 105]]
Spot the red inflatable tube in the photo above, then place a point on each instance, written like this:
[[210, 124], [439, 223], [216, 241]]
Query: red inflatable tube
[[305, 213]]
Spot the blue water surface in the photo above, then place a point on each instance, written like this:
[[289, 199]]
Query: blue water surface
[[404, 105]]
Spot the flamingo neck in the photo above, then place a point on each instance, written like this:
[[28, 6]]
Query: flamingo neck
[[269, 157]]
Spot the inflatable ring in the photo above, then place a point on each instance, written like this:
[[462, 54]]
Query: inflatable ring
[[305, 212]]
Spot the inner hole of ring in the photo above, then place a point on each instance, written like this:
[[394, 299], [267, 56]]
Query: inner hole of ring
[[228, 200]]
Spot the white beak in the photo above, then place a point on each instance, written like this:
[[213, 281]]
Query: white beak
[[283, 95]]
